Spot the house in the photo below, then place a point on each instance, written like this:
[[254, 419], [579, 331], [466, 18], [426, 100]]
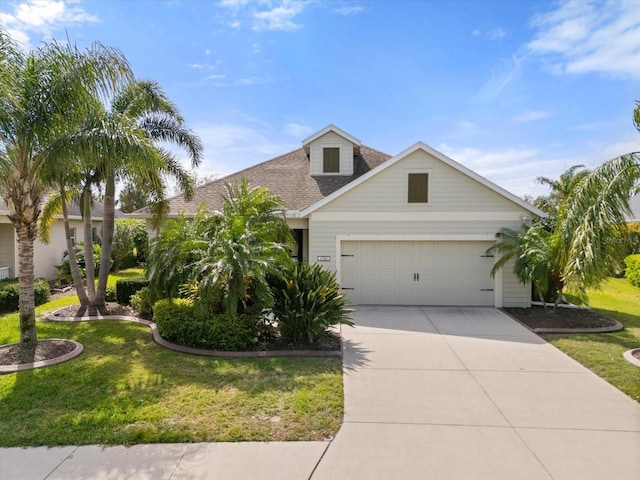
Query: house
[[634, 204], [411, 229], [46, 256]]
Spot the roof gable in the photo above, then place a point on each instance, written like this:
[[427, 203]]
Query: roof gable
[[327, 129], [437, 155]]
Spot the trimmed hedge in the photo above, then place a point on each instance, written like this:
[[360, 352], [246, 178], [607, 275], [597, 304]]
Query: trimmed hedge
[[10, 293], [127, 287], [633, 269], [142, 302], [180, 322]]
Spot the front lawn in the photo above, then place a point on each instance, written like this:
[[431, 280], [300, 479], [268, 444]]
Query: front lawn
[[125, 389], [602, 353]]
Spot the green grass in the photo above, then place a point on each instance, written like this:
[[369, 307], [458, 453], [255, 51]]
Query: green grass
[[602, 353], [122, 274], [125, 389]]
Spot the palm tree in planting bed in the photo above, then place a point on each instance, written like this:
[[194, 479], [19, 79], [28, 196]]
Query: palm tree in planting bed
[[44, 95], [123, 142], [575, 249], [223, 258]]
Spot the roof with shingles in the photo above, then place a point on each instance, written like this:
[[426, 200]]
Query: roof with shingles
[[286, 176], [97, 210]]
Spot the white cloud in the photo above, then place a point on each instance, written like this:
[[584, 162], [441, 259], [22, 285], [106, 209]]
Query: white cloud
[[590, 37], [297, 130], [466, 124], [42, 17], [349, 10], [500, 79], [238, 144], [280, 17], [476, 33], [531, 116], [496, 33]]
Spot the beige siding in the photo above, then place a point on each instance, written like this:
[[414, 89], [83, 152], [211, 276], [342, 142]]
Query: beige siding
[[7, 247], [46, 256], [514, 293], [449, 190], [331, 139]]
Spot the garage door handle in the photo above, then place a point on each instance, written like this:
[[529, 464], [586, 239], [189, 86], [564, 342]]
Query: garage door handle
[[418, 276]]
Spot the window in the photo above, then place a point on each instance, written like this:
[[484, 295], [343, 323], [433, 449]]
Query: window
[[72, 235], [331, 160], [418, 188]]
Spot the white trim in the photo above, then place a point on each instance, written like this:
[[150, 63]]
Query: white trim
[[440, 156], [497, 289], [415, 216], [497, 280], [334, 129]]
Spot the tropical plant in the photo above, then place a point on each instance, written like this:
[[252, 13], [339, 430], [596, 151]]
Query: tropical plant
[[307, 301], [44, 95], [130, 243], [576, 250], [124, 142], [224, 257], [632, 263]]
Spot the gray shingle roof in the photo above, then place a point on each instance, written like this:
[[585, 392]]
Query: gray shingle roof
[[97, 210], [286, 176]]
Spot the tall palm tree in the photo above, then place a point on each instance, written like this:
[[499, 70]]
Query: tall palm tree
[[123, 142], [577, 250], [44, 95]]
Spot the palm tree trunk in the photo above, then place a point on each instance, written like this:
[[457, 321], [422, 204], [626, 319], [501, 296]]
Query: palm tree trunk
[[26, 237], [108, 220], [89, 267], [73, 262]]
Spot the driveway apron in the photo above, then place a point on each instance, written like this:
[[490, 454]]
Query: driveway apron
[[448, 393]]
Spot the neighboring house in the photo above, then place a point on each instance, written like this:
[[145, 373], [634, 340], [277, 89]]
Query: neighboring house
[[46, 256], [634, 203], [411, 229]]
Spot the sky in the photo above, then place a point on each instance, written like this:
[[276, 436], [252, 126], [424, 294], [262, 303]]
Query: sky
[[513, 90]]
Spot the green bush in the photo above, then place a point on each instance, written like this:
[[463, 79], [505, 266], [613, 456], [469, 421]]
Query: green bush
[[130, 243], [142, 302], [307, 301], [179, 321], [127, 287], [64, 270], [110, 294], [633, 269], [10, 293]]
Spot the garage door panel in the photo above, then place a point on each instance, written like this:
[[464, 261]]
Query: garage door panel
[[417, 273]]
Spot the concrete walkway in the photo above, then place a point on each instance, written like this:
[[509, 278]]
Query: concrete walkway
[[442, 393]]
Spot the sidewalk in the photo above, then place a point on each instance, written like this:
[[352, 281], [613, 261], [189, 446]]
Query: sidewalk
[[220, 461]]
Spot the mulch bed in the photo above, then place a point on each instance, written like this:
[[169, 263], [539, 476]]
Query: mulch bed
[[17, 354], [539, 317], [111, 308]]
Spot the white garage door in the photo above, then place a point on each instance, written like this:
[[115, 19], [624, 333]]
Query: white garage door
[[417, 273]]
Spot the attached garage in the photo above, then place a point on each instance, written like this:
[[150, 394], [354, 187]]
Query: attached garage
[[417, 272]]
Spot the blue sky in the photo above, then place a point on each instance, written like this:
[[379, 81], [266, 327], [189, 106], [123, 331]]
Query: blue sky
[[512, 90]]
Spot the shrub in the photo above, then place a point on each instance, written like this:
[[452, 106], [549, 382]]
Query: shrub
[[179, 321], [64, 270], [130, 243], [10, 293], [110, 294], [142, 302], [127, 287], [633, 269], [307, 301]]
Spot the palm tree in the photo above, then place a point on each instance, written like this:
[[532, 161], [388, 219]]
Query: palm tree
[[224, 257], [577, 249], [123, 143], [44, 95]]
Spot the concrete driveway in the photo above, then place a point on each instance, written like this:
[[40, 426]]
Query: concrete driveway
[[450, 393]]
